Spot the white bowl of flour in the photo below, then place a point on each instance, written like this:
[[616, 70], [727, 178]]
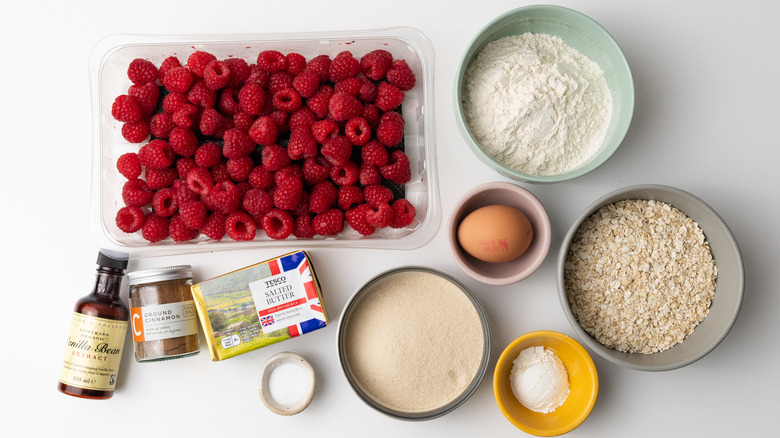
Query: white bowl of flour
[[544, 94]]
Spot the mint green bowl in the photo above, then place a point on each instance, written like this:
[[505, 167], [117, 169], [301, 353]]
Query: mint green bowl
[[579, 32]]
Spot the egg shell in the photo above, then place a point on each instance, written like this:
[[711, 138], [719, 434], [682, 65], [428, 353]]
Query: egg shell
[[495, 233]]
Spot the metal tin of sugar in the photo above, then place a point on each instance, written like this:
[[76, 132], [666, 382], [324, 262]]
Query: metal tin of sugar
[[413, 343]]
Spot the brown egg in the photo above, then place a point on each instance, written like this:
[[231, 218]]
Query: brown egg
[[495, 233]]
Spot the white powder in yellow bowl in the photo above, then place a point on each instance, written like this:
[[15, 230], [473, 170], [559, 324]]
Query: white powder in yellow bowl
[[414, 341]]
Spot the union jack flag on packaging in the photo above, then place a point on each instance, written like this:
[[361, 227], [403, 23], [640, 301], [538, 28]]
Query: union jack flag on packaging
[[260, 305]]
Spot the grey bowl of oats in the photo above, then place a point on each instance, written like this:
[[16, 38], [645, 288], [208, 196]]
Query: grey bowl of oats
[[650, 277]]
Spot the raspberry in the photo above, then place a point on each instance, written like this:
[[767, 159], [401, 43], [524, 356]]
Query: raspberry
[[164, 202], [183, 193], [216, 75], [371, 114], [257, 202], [391, 129], [302, 228], [193, 213], [349, 196], [129, 219], [278, 224], [356, 218], [271, 61], [301, 145], [279, 81], [200, 95], [401, 75], [287, 100], [261, 178], [147, 96], [186, 116], [210, 121], [239, 168], [178, 79], [251, 98], [375, 153], [219, 172], [142, 71], [343, 66], [183, 141], [237, 143], [323, 196], [375, 64], [243, 121], [324, 130], [199, 180], [155, 228], [198, 60], [227, 102], [214, 227], [161, 178], [296, 63], [307, 83], [126, 109], [136, 193], [157, 154], [369, 174], [173, 101], [368, 91], [208, 154], [225, 196], [264, 131], [388, 97], [343, 106], [320, 65], [320, 101], [329, 222], [345, 175], [161, 124], [404, 213], [240, 226], [184, 165], [316, 169], [382, 217], [239, 71], [358, 131], [179, 231], [288, 193], [258, 75], [337, 150], [135, 132], [376, 195], [129, 165], [168, 63], [274, 157], [350, 86], [280, 118], [302, 117], [397, 169]]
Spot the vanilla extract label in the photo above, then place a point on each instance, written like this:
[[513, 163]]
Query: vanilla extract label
[[93, 351]]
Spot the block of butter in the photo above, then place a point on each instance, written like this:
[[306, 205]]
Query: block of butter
[[259, 305]]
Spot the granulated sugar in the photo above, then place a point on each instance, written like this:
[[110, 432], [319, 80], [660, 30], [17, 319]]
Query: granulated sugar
[[414, 341], [535, 104]]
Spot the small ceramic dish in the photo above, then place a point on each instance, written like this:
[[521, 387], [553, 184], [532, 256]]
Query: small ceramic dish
[[513, 196], [583, 385], [287, 383]]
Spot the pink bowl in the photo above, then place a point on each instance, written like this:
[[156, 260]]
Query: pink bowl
[[513, 196]]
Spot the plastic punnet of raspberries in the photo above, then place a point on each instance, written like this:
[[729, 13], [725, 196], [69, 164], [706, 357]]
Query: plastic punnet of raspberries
[[280, 144]]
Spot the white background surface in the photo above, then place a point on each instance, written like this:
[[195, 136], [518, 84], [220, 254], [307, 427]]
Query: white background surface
[[707, 92]]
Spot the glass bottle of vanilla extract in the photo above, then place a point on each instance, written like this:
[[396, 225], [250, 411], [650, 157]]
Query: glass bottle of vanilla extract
[[93, 349]]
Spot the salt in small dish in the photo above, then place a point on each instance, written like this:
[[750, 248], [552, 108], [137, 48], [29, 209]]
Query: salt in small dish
[[287, 383]]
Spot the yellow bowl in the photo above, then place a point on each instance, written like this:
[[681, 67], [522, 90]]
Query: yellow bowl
[[583, 385]]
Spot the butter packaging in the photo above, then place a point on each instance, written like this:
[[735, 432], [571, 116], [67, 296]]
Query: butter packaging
[[260, 305]]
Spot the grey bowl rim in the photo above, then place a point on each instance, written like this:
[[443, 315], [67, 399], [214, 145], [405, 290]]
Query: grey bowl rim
[[602, 350]]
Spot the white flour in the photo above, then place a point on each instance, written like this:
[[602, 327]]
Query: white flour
[[537, 105]]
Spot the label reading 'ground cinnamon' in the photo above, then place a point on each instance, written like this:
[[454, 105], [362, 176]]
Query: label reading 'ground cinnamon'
[[164, 321]]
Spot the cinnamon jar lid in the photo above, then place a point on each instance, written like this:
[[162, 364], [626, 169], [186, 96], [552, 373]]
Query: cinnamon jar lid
[[160, 274]]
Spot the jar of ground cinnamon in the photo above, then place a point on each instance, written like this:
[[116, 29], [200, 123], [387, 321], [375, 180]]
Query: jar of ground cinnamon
[[163, 318]]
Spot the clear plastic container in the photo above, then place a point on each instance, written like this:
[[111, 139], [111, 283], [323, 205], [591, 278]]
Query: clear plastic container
[[108, 66]]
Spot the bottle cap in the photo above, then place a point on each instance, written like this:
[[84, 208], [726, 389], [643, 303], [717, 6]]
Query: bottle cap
[[113, 259]]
